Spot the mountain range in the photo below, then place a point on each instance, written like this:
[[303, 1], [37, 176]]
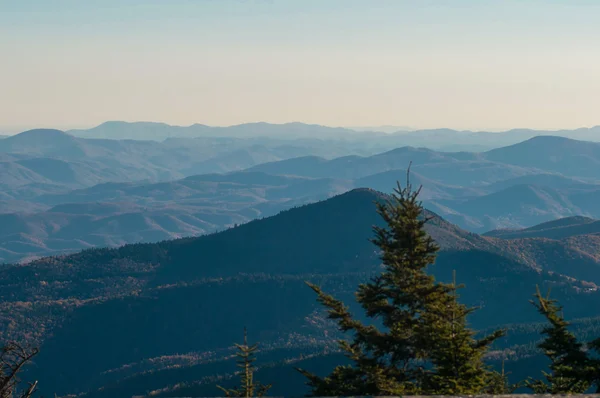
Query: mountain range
[[548, 153], [377, 137], [537, 180], [161, 131], [51, 161], [62, 193], [159, 318]]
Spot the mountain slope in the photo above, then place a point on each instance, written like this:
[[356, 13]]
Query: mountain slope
[[431, 189], [563, 155], [117, 297], [515, 206], [534, 156], [113, 214], [562, 228], [44, 142], [554, 180], [460, 168]]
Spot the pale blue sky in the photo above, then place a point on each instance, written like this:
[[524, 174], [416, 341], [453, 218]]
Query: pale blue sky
[[471, 64]]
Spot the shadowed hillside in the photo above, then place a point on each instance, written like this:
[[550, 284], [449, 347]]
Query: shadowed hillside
[[116, 297]]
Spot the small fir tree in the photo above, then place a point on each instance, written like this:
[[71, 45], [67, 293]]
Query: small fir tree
[[248, 387], [424, 345], [499, 384], [570, 365]]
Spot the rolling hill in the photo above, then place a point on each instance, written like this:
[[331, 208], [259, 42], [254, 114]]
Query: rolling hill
[[353, 167], [566, 156], [431, 189], [502, 188], [117, 297], [534, 156], [553, 180], [515, 206], [114, 214]]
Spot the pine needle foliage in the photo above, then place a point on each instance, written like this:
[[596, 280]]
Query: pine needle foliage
[[248, 387], [499, 384], [422, 344], [571, 368], [452, 349]]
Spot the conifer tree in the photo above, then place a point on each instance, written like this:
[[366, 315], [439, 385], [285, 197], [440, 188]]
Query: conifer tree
[[498, 383], [423, 344], [457, 357], [248, 387], [571, 368]]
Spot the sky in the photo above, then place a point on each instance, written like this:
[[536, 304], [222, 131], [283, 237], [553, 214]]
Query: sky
[[463, 64]]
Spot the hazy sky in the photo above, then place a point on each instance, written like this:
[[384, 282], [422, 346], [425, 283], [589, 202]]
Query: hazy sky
[[471, 64]]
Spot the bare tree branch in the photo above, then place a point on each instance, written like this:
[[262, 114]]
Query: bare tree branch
[[13, 357]]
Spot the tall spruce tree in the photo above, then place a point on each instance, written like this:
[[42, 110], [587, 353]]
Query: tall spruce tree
[[248, 387], [423, 344], [571, 367]]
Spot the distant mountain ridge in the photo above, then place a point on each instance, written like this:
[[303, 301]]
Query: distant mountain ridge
[[51, 160], [161, 131], [503, 188], [443, 138], [559, 154]]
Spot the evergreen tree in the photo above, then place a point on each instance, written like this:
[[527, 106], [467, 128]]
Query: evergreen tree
[[498, 383], [423, 344], [571, 368], [457, 357], [248, 387]]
